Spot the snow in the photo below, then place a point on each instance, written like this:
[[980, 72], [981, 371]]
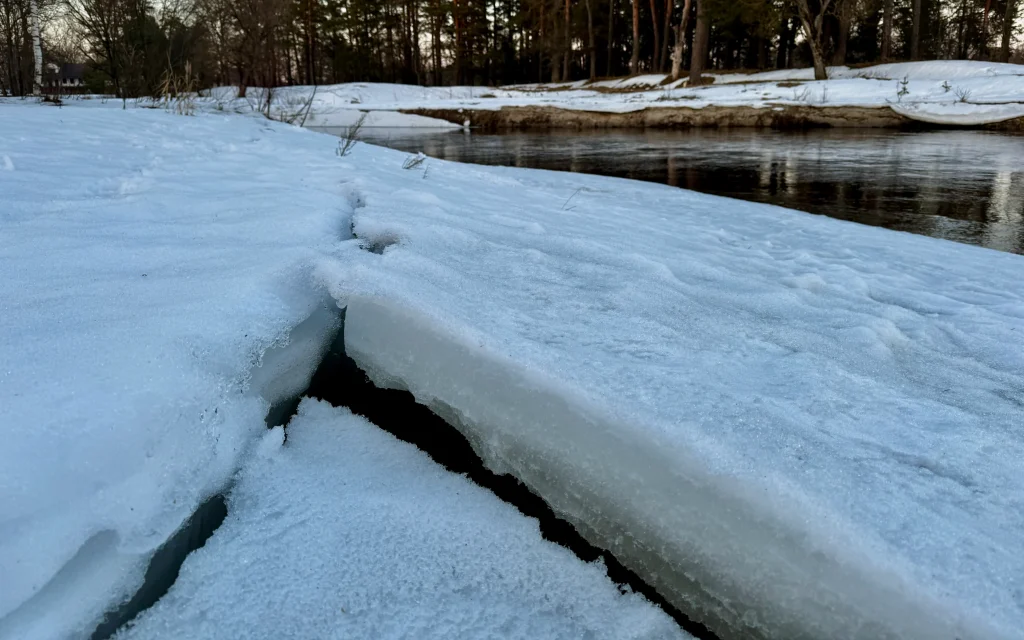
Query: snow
[[933, 89], [330, 107], [649, 80], [388, 119], [793, 426], [152, 270], [961, 113], [818, 420], [927, 70], [357, 535]]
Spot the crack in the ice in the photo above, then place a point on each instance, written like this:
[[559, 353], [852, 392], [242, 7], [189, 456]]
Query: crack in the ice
[[341, 382]]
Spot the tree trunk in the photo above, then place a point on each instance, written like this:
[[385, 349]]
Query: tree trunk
[[699, 56], [417, 51], [666, 30], [556, 50], [37, 50], [1008, 20], [657, 38], [961, 31], [812, 24], [592, 52], [842, 38], [457, 18], [310, 45], [887, 30], [680, 31], [787, 32], [915, 34], [820, 71], [634, 61], [984, 31], [611, 36], [568, 44]]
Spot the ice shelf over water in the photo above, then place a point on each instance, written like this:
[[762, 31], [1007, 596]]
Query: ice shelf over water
[[798, 427]]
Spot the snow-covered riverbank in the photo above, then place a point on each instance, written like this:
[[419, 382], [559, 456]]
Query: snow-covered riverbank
[[951, 92], [793, 426]]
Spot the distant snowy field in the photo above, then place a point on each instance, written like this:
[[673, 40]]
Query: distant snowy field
[[943, 91], [820, 423]]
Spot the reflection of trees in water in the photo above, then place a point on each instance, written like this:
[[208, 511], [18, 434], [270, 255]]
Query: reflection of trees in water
[[1005, 212], [953, 185]]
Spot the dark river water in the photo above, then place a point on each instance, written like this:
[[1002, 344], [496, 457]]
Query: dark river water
[[966, 186]]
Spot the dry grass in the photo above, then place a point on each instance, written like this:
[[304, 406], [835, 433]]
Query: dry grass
[[177, 91]]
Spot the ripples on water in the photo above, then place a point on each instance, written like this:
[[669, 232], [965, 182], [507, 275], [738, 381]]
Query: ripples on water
[[966, 186]]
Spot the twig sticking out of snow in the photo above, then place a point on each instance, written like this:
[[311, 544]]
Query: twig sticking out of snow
[[414, 161], [570, 198], [350, 137]]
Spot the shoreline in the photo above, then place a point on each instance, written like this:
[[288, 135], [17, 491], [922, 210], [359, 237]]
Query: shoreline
[[782, 117]]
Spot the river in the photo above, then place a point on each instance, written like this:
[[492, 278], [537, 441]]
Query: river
[[966, 186]]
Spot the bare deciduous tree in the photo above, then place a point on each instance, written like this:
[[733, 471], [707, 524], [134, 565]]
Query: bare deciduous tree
[[680, 34], [701, 37], [634, 60], [812, 17], [37, 50]]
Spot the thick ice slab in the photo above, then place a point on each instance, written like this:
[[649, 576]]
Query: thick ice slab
[[810, 428], [346, 532]]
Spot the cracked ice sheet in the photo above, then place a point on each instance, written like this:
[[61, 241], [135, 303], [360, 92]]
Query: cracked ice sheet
[[860, 389], [148, 263], [346, 532]]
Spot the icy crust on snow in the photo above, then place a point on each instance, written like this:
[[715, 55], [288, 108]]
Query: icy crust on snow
[[819, 422], [345, 532], [155, 301]]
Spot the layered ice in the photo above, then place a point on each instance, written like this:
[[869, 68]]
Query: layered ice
[[346, 532], [794, 426]]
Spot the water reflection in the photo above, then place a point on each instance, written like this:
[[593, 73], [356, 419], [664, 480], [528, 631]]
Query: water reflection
[[966, 186]]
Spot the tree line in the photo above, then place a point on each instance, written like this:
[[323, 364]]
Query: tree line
[[130, 46]]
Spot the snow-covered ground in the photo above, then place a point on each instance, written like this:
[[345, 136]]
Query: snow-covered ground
[[943, 91], [156, 298], [346, 532], [149, 265], [819, 423]]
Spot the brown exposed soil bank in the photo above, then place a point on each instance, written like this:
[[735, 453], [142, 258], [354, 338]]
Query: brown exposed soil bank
[[779, 117]]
